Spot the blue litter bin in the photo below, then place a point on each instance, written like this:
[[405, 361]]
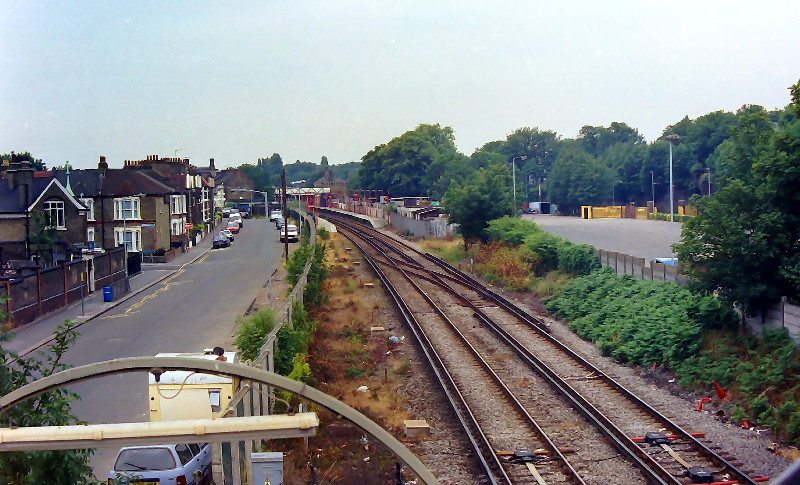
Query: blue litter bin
[[108, 293]]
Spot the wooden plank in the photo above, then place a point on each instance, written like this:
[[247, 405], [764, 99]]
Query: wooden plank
[[676, 456], [535, 473]]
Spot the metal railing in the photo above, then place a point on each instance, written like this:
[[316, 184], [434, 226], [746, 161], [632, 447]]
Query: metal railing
[[255, 399]]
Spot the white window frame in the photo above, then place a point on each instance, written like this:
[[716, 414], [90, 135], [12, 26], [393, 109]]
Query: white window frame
[[121, 211], [133, 241], [55, 210], [90, 234], [89, 203], [178, 226], [177, 204]]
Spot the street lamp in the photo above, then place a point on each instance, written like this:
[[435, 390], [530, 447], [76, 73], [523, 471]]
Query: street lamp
[[269, 250], [671, 138], [653, 185], [514, 176]]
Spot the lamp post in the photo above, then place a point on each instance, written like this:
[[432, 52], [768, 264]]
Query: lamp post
[[653, 185], [514, 177], [269, 250], [671, 138]]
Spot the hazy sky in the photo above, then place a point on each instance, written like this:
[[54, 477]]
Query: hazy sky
[[241, 80]]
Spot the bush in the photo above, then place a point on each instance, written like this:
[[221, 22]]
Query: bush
[[324, 234], [511, 230], [543, 246], [503, 265], [252, 332], [578, 259], [642, 322]]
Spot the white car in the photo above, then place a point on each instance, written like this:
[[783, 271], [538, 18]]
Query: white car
[[162, 464], [227, 234], [289, 232], [274, 214]]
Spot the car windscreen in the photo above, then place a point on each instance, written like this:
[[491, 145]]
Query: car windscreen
[[137, 459]]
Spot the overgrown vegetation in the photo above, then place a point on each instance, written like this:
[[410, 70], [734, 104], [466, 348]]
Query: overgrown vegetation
[[50, 409], [521, 255], [692, 333]]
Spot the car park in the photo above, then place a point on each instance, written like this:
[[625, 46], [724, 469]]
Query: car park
[[227, 234], [181, 464], [220, 241], [289, 232], [233, 227]]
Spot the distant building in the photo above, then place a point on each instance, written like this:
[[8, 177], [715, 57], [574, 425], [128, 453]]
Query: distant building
[[337, 186]]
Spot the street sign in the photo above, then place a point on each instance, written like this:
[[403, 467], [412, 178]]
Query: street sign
[[188, 225]]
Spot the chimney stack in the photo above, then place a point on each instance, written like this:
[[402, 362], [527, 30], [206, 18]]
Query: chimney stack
[[212, 164], [102, 166]]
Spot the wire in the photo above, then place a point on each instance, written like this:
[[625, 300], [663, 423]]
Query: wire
[[158, 386]]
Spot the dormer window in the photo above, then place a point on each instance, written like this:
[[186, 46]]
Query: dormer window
[[89, 203], [55, 214]]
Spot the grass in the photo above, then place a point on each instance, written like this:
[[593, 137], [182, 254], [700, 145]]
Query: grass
[[451, 251]]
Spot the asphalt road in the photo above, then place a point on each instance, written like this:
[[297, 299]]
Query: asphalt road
[[194, 309], [637, 237]]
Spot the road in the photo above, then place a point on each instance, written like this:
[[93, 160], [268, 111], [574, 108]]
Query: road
[[637, 237], [195, 308]]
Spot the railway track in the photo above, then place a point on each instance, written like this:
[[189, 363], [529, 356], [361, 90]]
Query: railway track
[[551, 417]]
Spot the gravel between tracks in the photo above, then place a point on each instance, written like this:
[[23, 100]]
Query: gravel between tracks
[[445, 451]]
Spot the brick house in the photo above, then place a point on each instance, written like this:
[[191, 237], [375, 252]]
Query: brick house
[[124, 207], [40, 220]]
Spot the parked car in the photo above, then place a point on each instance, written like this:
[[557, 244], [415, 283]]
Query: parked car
[[226, 212], [227, 234], [289, 232], [237, 218], [279, 222], [234, 210], [165, 464], [274, 214], [233, 227], [220, 241]]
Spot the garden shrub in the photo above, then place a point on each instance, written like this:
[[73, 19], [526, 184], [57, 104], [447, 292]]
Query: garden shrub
[[252, 332]]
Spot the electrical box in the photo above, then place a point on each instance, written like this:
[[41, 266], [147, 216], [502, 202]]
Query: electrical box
[[267, 468]]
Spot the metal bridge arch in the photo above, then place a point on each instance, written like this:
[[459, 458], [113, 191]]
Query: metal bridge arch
[[139, 364]]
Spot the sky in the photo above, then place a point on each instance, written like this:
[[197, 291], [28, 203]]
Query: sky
[[241, 80]]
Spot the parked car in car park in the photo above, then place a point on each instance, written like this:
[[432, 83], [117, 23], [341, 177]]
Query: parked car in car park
[[220, 241], [289, 232], [181, 464]]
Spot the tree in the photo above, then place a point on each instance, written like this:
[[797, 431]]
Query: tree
[[50, 409], [745, 244], [578, 179], [483, 197], [401, 166], [43, 238]]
